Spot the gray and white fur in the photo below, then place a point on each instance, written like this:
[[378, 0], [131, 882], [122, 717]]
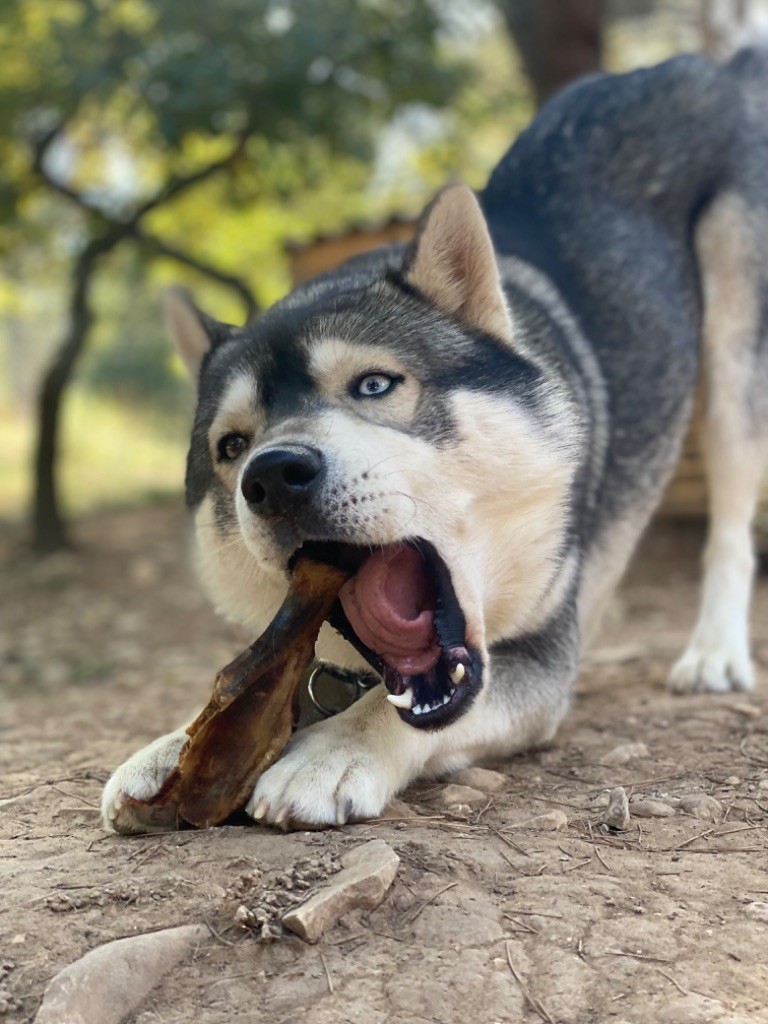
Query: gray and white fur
[[536, 353]]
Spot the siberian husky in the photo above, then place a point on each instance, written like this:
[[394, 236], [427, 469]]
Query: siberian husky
[[485, 420]]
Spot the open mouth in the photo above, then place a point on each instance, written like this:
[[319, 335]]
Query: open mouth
[[399, 610]]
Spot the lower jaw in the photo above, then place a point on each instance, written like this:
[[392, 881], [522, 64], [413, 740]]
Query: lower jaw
[[447, 690], [429, 687]]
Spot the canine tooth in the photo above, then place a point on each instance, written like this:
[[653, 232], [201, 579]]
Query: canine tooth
[[458, 674], [402, 700]]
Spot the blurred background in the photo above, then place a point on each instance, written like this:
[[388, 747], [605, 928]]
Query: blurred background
[[237, 147]]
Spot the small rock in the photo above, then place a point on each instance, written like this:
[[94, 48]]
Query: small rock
[[451, 795], [748, 710], [762, 784], [481, 778], [601, 800], [690, 1009], [398, 809], [17, 940], [759, 911], [624, 753], [368, 872], [701, 806], [552, 821], [107, 984], [616, 814], [651, 809], [733, 780]]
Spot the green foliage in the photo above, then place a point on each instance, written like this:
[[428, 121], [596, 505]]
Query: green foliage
[[128, 96], [167, 80]]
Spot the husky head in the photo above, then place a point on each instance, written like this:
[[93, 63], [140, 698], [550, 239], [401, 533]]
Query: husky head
[[382, 416]]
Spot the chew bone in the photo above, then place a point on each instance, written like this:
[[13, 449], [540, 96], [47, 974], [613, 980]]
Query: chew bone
[[248, 720]]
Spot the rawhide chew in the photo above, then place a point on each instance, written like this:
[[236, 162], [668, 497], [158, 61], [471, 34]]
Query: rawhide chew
[[249, 718]]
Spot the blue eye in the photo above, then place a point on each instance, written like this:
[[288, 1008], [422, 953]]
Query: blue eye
[[373, 385]]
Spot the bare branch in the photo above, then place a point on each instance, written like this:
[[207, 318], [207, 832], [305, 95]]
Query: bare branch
[[181, 184], [168, 192], [159, 247]]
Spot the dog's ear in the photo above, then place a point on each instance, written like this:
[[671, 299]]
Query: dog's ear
[[194, 332], [451, 262]]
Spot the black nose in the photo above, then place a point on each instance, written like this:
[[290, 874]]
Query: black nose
[[280, 478]]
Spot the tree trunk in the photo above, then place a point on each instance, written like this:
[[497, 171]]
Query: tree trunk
[[49, 531], [558, 40]]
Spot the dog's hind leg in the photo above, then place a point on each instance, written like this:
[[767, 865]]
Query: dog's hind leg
[[735, 366]]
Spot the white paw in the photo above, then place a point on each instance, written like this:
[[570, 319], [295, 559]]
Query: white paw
[[140, 778], [343, 769], [708, 668]]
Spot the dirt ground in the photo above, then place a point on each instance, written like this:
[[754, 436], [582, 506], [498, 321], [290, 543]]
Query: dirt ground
[[489, 919]]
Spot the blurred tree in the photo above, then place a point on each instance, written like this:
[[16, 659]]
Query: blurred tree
[[558, 40], [128, 105]]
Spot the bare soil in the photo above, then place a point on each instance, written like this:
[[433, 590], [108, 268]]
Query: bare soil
[[489, 919]]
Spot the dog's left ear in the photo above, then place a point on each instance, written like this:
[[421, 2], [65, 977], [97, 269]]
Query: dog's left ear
[[451, 262], [194, 332]]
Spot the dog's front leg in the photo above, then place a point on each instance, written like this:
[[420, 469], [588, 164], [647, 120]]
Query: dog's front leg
[[350, 766], [140, 778]]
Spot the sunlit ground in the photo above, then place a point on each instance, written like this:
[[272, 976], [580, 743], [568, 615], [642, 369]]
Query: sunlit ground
[[112, 454]]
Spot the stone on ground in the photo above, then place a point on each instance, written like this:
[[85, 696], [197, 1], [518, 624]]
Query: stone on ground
[[701, 806], [651, 809], [368, 871], [552, 821], [106, 985], [481, 778], [616, 814], [453, 795], [624, 753]]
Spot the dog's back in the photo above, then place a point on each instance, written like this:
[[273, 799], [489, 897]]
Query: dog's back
[[603, 194]]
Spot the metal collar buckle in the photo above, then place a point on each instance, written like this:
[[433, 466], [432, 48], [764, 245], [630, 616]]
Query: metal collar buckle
[[359, 683]]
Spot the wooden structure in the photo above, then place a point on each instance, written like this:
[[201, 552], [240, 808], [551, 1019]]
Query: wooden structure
[[324, 252]]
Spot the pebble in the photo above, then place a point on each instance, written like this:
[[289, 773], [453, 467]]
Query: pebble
[[651, 809], [481, 778], [368, 872], [624, 753], [453, 794], [398, 809], [762, 784], [107, 984], [759, 911], [616, 814], [552, 821], [701, 806], [733, 780], [748, 710]]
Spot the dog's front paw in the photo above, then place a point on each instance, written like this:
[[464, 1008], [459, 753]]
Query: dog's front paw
[[335, 771], [140, 778], [713, 668]]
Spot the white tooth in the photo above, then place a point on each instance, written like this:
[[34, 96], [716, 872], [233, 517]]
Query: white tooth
[[418, 709], [446, 698], [458, 674], [402, 700], [453, 690]]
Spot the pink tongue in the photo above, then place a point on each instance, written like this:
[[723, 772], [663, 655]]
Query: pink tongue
[[385, 604]]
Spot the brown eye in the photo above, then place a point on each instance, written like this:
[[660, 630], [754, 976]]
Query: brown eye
[[232, 446]]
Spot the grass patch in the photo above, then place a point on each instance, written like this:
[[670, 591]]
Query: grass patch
[[112, 454]]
